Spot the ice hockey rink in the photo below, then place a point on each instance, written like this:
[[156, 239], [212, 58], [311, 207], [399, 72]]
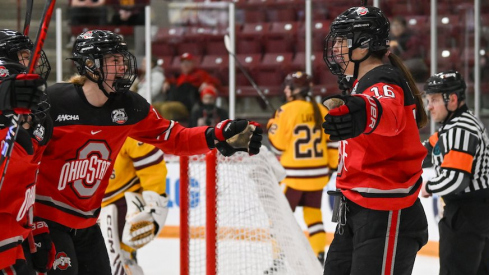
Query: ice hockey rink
[[162, 257]]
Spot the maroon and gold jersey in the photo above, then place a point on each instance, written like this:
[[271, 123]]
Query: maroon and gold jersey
[[138, 167], [382, 170], [78, 162], [305, 153]]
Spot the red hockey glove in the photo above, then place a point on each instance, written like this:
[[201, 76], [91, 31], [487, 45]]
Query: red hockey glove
[[238, 135], [43, 258], [21, 92], [360, 114]]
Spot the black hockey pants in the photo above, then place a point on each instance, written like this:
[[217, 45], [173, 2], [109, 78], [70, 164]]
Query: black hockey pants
[[377, 242]]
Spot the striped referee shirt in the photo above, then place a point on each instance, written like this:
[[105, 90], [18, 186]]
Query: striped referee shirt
[[459, 153]]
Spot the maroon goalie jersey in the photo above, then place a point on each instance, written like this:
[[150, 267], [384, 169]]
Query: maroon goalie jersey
[[382, 170], [77, 163], [16, 199]]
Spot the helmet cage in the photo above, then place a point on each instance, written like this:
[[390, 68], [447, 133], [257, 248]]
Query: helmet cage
[[12, 43]]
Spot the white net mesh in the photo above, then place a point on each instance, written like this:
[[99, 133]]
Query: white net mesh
[[256, 229]]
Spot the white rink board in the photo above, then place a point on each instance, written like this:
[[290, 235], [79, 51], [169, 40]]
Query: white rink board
[[431, 205]]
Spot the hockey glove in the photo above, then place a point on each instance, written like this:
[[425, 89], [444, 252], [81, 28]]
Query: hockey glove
[[21, 92], [43, 258], [238, 135], [353, 118], [146, 221]]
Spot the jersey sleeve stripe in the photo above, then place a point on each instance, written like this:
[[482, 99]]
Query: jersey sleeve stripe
[[275, 149], [168, 131], [433, 139], [149, 159], [449, 181], [458, 160]]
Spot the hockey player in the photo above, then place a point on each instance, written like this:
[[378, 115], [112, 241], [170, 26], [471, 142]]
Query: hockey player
[[138, 179], [381, 222], [93, 115], [459, 154], [22, 93], [308, 157]]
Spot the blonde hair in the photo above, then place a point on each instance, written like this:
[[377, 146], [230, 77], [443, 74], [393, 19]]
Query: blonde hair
[[78, 79]]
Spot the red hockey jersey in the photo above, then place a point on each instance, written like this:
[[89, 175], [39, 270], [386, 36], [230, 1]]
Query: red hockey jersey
[[16, 199], [382, 170], [78, 162]]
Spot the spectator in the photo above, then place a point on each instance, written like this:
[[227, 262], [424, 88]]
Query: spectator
[[157, 79], [88, 12], [208, 114], [128, 12], [185, 88], [408, 46]]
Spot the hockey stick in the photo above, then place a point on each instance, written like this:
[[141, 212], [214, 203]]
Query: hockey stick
[[28, 14], [227, 43], [14, 128]]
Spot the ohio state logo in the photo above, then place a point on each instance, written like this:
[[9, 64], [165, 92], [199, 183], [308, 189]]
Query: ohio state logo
[[85, 173], [119, 116], [62, 261], [362, 11], [4, 71]]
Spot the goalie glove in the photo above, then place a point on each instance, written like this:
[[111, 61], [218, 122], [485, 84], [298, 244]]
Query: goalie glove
[[146, 215], [238, 135], [359, 114]]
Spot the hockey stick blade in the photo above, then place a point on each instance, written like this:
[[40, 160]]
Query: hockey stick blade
[[227, 44], [28, 14]]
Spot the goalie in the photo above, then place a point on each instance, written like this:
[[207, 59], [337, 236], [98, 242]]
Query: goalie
[[135, 204]]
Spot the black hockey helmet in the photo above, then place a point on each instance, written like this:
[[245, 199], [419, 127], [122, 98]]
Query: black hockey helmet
[[300, 80], [17, 47], [88, 54], [361, 27], [446, 83]]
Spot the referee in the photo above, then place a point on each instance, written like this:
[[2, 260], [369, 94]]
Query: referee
[[459, 154]]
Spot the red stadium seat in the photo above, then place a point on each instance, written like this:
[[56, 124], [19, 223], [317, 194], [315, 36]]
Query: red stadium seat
[[276, 61], [215, 45], [160, 48], [248, 46], [170, 35], [254, 15], [189, 47], [166, 61], [254, 30], [281, 14], [217, 65]]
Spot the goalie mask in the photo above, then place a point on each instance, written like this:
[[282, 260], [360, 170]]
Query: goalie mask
[[299, 80], [17, 47], [102, 56], [446, 83], [357, 27]]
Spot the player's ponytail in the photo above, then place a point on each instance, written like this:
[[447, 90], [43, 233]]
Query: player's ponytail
[[78, 79], [318, 118], [421, 117]]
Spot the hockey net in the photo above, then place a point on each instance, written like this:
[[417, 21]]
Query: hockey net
[[235, 220]]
